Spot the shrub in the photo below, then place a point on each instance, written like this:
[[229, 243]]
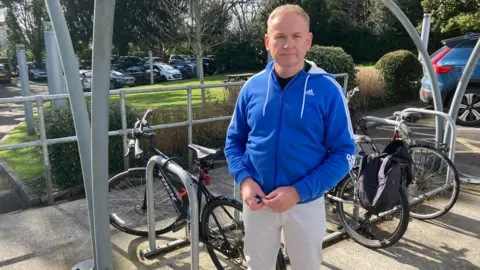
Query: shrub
[[65, 159], [372, 88], [334, 60], [401, 72]]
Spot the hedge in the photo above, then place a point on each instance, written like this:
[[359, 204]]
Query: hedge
[[64, 158], [333, 60], [401, 72]]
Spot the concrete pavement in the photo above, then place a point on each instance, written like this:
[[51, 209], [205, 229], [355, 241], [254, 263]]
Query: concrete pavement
[[10, 116]]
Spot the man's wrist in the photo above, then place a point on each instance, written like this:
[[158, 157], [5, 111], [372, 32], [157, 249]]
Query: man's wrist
[[296, 194]]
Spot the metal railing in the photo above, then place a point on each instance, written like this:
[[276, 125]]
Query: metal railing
[[44, 142]]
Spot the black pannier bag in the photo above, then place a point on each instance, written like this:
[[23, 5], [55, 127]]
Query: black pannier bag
[[380, 177]]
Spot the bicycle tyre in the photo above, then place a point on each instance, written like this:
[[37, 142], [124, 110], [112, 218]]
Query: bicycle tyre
[[208, 210], [456, 184], [137, 172], [375, 244]]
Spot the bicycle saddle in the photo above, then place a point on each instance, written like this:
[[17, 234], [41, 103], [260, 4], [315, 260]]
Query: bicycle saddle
[[411, 117], [362, 139], [204, 153]]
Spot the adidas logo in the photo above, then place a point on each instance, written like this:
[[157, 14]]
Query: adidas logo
[[310, 92]]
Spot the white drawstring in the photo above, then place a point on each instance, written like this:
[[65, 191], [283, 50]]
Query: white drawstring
[[268, 90], [304, 92]]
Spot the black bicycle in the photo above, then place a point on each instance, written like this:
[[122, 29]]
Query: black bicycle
[[220, 223]]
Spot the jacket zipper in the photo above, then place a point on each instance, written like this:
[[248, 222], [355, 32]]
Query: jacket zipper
[[280, 126], [278, 134]]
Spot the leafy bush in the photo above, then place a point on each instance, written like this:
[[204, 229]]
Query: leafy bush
[[334, 60], [65, 159], [401, 72]]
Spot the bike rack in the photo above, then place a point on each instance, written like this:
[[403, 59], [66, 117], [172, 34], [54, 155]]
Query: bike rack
[[192, 196], [453, 130]]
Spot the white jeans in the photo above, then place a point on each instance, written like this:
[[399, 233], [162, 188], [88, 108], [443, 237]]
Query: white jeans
[[304, 227]]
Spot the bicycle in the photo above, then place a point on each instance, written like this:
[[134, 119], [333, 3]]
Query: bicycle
[[171, 204], [434, 161]]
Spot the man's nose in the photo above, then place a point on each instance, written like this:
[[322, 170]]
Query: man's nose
[[288, 43]]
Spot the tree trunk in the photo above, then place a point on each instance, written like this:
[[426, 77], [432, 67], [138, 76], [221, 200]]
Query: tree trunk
[[199, 50]]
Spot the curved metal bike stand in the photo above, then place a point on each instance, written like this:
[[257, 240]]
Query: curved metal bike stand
[[192, 196]]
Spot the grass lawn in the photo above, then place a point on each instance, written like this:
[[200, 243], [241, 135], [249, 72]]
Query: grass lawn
[[173, 98], [28, 162]]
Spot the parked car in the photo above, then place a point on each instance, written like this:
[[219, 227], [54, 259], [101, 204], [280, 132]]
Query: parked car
[[5, 76], [449, 63], [86, 80], [142, 77], [118, 80], [165, 72], [36, 71]]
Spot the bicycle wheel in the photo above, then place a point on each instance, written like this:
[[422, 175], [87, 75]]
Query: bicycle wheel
[[128, 209], [227, 240], [373, 231], [435, 185]]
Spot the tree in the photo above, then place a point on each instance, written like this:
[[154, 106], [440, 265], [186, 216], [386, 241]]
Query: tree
[[24, 20], [203, 23], [451, 18]]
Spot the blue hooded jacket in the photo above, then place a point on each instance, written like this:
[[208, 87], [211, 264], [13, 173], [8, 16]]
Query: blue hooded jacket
[[300, 137]]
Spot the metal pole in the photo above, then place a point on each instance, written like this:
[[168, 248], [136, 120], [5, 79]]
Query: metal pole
[[25, 84], [427, 17], [457, 99], [437, 101], [10, 68], [123, 114], [190, 127], [150, 61], [462, 84], [43, 137], [55, 78], [101, 55], [79, 109]]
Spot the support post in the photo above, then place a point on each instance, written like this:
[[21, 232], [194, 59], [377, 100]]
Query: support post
[[101, 55], [437, 101], [79, 111], [46, 160], [55, 79], [427, 17], [190, 127], [25, 84], [150, 61], [457, 99]]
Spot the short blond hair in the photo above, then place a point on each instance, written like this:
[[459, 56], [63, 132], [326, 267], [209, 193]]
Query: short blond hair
[[288, 8]]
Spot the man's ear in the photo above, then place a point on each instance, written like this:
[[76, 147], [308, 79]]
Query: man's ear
[[265, 38], [310, 39]]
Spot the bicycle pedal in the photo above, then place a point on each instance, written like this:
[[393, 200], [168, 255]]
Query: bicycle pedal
[[178, 225]]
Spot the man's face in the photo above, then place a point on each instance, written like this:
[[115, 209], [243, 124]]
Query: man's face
[[288, 39]]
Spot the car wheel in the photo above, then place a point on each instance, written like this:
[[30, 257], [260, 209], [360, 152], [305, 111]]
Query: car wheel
[[469, 109]]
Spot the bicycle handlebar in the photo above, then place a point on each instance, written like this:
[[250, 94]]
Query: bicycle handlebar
[[138, 131]]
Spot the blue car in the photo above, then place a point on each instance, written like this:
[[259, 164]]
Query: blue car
[[448, 63]]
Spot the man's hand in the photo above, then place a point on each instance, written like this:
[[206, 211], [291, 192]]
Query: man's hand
[[282, 199], [250, 189]]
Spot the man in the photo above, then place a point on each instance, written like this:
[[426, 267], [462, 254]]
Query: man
[[289, 141]]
